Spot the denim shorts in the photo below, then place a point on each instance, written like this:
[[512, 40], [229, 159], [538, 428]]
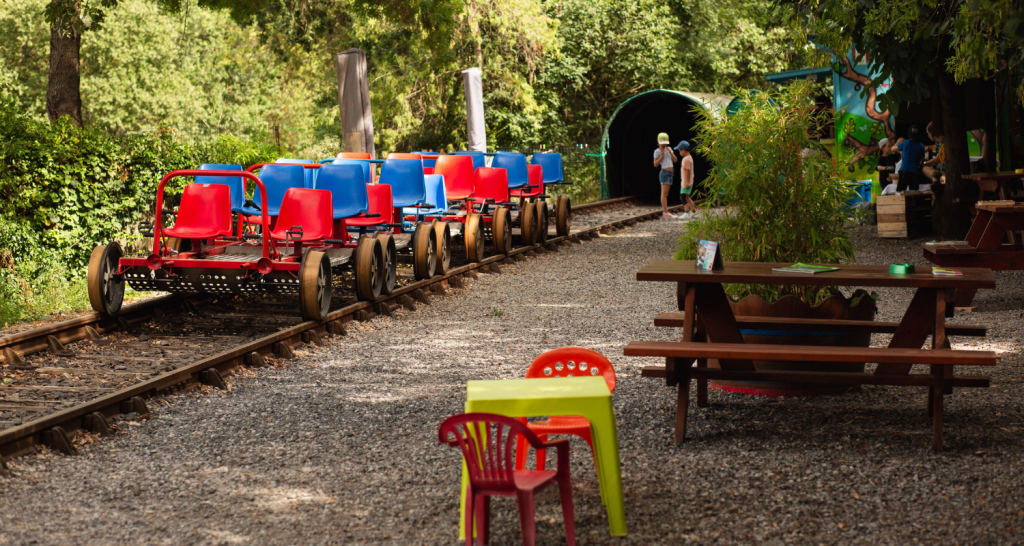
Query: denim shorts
[[665, 177]]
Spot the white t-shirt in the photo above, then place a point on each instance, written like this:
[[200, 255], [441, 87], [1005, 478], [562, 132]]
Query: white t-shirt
[[666, 159], [687, 163]]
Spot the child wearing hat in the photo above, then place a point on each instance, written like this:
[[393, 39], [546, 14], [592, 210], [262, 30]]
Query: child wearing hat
[[665, 158], [686, 186]]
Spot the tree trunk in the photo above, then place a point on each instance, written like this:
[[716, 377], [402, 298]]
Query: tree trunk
[[953, 220], [63, 93]]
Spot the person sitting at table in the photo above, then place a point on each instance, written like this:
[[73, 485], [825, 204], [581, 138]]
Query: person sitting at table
[[886, 163], [935, 168], [913, 153]]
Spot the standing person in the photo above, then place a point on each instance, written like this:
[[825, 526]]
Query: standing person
[[935, 168], [886, 163], [913, 153], [665, 158], [686, 179]]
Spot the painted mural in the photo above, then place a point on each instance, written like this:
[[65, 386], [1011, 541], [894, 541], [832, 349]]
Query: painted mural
[[859, 122]]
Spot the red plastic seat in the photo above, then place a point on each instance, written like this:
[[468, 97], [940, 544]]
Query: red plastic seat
[[401, 155], [311, 210], [536, 173], [205, 213], [381, 202], [565, 362], [490, 183], [487, 442], [428, 170], [457, 171]]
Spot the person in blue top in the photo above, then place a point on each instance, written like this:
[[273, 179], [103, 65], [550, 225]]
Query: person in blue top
[[913, 155]]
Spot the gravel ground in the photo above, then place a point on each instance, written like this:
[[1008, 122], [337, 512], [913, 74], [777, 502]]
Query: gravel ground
[[340, 446]]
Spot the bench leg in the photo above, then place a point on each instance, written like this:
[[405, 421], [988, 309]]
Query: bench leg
[[936, 406], [682, 405], [702, 385]]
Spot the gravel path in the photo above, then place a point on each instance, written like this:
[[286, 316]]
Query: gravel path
[[341, 447]]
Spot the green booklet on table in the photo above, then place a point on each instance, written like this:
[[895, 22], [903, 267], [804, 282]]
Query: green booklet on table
[[805, 268]]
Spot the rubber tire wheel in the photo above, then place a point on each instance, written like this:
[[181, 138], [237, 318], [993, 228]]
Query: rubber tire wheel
[[443, 244], [563, 216], [387, 243], [424, 253], [501, 231], [473, 235], [528, 224], [542, 222], [369, 269], [106, 287], [315, 285]]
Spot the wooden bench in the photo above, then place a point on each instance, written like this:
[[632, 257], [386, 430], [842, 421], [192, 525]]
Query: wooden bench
[[736, 358], [677, 320]]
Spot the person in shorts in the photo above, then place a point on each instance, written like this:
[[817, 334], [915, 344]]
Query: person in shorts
[[665, 158], [686, 179], [909, 175]]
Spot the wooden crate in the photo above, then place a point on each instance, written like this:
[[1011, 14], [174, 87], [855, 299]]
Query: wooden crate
[[904, 215]]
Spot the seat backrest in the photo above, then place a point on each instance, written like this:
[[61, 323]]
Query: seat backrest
[[488, 444], [457, 171], [381, 202], [206, 207], [233, 183], [278, 179], [572, 362], [490, 183], [552, 164], [515, 164], [354, 155], [536, 178], [308, 208], [436, 194], [479, 160], [402, 155], [429, 158], [363, 163], [286, 160], [405, 176], [347, 184]]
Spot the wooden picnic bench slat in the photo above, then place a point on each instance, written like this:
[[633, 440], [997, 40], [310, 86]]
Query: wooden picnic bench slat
[[676, 320], [845, 378], [809, 353]]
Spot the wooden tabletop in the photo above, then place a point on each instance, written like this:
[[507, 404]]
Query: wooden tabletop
[[993, 176], [1012, 209], [847, 275]]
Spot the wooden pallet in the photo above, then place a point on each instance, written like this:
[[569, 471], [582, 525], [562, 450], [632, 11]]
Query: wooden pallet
[[904, 215]]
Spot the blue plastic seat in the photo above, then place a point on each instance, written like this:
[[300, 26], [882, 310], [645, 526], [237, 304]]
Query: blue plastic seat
[[478, 158], [436, 195], [552, 164], [286, 160], [310, 181], [235, 184], [364, 163], [515, 164], [348, 189], [406, 178], [278, 179]]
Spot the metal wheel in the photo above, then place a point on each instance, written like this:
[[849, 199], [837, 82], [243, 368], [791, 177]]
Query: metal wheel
[[387, 243], [542, 222], [424, 253], [443, 244], [106, 287], [473, 234], [315, 288], [369, 268], [563, 216], [528, 223], [501, 231]]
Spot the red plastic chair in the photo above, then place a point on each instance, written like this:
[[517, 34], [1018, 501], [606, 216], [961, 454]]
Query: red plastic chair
[[380, 202], [536, 177], [487, 442], [311, 210], [457, 171], [565, 362], [205, 212], [490, 183], [402, 155]]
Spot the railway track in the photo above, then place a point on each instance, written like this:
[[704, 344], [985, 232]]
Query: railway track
[[52, 389]]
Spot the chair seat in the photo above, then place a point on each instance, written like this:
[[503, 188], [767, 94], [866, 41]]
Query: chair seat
[[557, 423], [527, 480], [190, 232], [364, 221]]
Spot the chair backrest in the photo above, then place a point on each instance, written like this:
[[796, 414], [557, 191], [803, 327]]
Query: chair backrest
[[457, 171], [381, 201], [354, 155], [347, 184], [490, 183], [572, 362], [435, 196], [479, 160], [206, 207], [552, 164], [536, 178], [488, 444], [405, 176], [233, 183], [403, 155], [364, 163], [515, 164], [308, 208], [429, 158], [287, 160], [278, 179]]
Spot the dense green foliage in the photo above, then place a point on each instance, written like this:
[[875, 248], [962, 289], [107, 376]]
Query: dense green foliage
[[786, 205]]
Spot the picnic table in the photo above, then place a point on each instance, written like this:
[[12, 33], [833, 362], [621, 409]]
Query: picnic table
[[997, 183], [707, 315]]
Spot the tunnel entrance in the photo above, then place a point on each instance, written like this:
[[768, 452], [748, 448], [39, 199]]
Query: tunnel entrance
[[631, 137]]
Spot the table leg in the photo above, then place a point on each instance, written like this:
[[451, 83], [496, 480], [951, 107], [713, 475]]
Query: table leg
[[992, 237], [978, 227], [682, 401], [937, 391], [702, 383], [602, 423], [915, 327], [719, 323]]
